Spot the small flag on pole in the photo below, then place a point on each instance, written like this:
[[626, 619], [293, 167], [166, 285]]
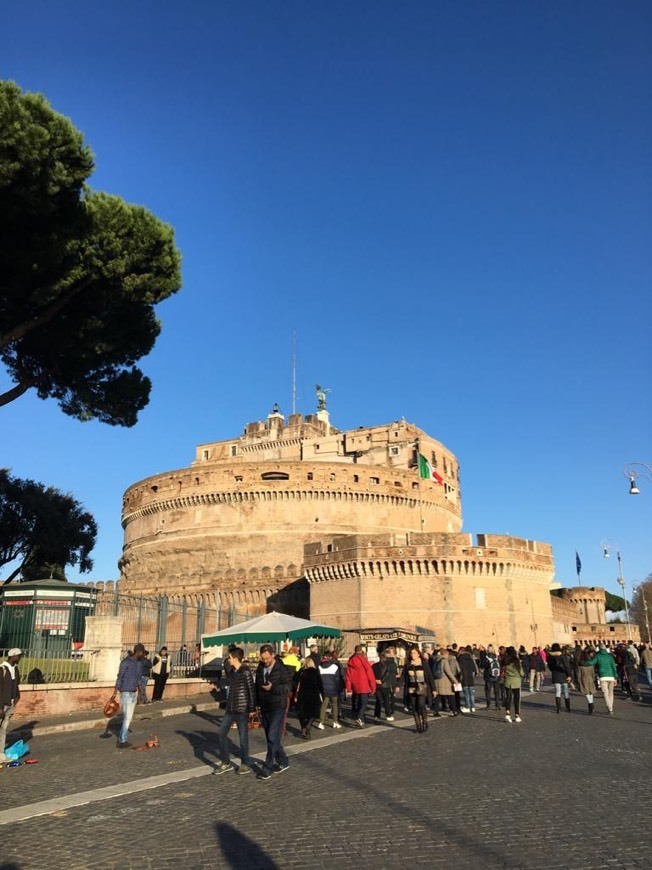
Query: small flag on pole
[[578, 563], [427, 472]]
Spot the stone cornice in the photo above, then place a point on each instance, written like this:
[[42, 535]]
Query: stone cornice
[[279, 495]]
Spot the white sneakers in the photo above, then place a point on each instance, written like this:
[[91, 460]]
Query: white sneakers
[[518, 719], [335, 725], [508, 718], [320, 725], [390, 718]]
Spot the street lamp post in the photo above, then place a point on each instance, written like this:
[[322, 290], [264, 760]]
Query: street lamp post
[[641, 589], [633, 471], [606, 546]]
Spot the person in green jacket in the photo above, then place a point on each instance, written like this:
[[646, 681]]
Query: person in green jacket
[[512, 680], [604, 662]]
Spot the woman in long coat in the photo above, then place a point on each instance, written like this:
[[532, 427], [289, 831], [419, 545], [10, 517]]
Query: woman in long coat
[[587, 684], [308, 696], [447, 674]]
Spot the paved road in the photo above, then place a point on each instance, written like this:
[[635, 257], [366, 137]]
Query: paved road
[[565, 791]]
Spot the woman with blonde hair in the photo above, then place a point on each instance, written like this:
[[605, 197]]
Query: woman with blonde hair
[[308, 696]]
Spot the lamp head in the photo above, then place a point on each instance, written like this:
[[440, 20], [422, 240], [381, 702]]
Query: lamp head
[[633, 489], [606, 554]]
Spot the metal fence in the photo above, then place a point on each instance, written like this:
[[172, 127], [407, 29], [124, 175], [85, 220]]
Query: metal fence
[[56, 654], [157, 622], [39, 665]]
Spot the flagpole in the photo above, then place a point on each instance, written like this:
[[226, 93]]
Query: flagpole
[[421, 520]]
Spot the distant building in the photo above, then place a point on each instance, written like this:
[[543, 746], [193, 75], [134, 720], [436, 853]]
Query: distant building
[[579, 613]]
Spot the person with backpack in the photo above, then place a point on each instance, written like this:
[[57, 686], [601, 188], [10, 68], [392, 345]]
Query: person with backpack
[[631, 665], [560, 666], [383, 696], [491, 673], [512, 680], [524, 659], [333, 684]]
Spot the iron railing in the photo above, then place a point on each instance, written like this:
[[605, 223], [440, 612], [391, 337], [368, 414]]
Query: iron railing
[[38, 666]]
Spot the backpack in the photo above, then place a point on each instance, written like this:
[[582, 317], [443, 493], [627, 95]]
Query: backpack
[[35, 676], [438, 670], [494, 668]]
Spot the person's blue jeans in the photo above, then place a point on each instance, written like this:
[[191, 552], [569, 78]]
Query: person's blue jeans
[[128, 704], [469, 696], [562, 687], [273, 725], [241, 719], [648, 674], [359, 703]]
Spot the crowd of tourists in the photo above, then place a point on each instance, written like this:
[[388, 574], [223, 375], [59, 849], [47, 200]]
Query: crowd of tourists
[[428, 682]]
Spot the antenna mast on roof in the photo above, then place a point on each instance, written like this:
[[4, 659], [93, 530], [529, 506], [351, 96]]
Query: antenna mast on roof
[[294, 371]]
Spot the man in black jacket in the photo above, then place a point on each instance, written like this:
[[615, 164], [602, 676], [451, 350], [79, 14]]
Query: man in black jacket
[[273, 686], [240, 704]]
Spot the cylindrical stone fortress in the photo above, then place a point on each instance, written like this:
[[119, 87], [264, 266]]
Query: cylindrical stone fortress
[[232, 526]]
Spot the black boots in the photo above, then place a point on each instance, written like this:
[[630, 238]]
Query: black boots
[[590, 708], [567, 703], [424, 720], [558, 703]]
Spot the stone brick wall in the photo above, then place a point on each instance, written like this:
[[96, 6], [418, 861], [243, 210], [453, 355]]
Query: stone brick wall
[[69, 698], [493, 590]]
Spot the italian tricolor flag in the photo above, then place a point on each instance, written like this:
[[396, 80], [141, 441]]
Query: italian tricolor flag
[[427, 472]]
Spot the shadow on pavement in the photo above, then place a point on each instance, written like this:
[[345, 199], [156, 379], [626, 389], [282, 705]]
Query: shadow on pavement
[[241, 852], [26, 731], [204, 745]]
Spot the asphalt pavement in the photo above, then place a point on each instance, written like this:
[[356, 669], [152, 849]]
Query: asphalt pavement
[[564, 791]]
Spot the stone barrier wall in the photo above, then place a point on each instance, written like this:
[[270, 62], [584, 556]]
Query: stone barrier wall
[[69, 698]]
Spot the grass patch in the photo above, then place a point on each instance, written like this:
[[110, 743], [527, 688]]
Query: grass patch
[[55, 670]]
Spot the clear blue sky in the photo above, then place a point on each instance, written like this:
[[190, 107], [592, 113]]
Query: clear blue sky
[[449, 201]]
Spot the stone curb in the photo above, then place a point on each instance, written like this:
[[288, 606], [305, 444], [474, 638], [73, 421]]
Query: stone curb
[[100, 722]]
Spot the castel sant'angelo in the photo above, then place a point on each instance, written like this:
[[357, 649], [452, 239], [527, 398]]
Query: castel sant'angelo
[[358, 529]]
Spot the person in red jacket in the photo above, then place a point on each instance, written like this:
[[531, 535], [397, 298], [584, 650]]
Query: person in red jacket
[[360, 681]]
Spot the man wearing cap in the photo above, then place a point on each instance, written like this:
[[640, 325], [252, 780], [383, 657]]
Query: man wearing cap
[[127, 685], [9, 694]]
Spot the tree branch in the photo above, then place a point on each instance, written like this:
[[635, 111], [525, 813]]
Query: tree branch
[[45, 316], [16, 392], [13, 575]]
